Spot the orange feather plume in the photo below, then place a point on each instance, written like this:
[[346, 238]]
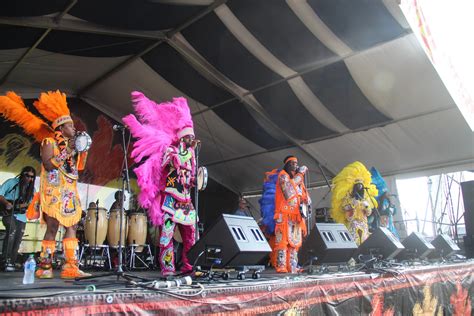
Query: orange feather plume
[[13, 109], [52, 105]]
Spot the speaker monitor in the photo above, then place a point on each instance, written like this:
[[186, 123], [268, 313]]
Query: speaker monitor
[[381, 242], [234, 240], [330, 243], [444, 245], [416, 246]]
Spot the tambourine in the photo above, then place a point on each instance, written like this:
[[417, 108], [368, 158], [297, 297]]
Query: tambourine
[[201, 178], [82, 141]]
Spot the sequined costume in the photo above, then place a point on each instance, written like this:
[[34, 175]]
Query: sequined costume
[[290, 226], [166, 172], [58, 197], [353, 198]]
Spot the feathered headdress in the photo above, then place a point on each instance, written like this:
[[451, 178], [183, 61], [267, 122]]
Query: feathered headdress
[[13, 109], [343, 184], [379, 182], [53, 106], [156, 127]]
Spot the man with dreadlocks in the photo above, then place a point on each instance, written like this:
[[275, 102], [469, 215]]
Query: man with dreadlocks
[[58, 199], [290, 226], [15, 196], [166, 146]]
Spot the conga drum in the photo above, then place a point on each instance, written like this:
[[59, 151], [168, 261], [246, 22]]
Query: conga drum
[[137, 230], [95, 219], [113, 231]]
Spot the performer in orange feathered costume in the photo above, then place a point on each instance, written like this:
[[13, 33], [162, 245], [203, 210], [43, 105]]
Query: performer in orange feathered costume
[[290, 226], [58, 198]]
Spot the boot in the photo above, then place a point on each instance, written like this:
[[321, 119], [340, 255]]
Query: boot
[[45, 269], [70, 269]]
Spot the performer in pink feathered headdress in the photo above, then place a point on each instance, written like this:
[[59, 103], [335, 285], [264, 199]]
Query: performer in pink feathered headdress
[[165, 146]]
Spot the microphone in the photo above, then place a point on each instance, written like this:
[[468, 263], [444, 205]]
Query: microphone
[[118, 127], [174, 283]]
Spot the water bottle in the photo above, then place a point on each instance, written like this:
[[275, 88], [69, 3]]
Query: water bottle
[[30, 268]]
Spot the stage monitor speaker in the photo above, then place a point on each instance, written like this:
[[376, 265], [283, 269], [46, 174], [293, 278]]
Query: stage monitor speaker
[[468, 199], [444, 245], [231, 241], [416, 246], [330, 243], [381, 243]]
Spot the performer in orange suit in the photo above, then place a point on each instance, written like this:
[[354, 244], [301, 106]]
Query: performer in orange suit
[[290, 226]]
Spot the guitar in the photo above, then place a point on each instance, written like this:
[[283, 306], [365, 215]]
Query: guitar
[[19, 208]]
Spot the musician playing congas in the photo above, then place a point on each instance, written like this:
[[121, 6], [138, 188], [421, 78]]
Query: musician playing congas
[[166, 145], [15, 196], [290, 225]]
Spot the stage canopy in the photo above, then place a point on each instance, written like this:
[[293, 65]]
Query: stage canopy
[[332, 81]]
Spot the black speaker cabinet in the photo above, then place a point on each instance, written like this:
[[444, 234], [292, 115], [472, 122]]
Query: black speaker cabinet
[[416, 246], [444, 245], [330, 243], [232, 241], [381, 242]]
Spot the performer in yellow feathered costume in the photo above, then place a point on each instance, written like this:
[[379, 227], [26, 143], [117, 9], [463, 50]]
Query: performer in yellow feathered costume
[[353, 198]]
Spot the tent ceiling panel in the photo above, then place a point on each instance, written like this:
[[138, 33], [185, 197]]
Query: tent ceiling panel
[[281, 32], [399, 79], [336, 89], [31, 7], [218, 134], [419, 143], [227, 54], [18, 37], [286, 110], [137, 15], [360, 24], [46, 70], [91, 45]]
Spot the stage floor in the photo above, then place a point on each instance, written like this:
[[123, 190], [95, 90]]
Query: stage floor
[[445, 287]]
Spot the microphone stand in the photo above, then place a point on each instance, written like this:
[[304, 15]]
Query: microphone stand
[[9, 235], [125, 185], [196, 194]]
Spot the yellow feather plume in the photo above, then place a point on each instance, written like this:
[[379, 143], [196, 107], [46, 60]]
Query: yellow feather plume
[[13, 109], [343, 184], [52, 105]]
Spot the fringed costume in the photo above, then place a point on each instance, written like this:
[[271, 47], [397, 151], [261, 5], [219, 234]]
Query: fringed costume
[[167, 172], [386, 209], [58, 196], [290, 226], [353, 198]]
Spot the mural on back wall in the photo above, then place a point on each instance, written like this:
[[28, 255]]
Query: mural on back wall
[[103, 173]]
